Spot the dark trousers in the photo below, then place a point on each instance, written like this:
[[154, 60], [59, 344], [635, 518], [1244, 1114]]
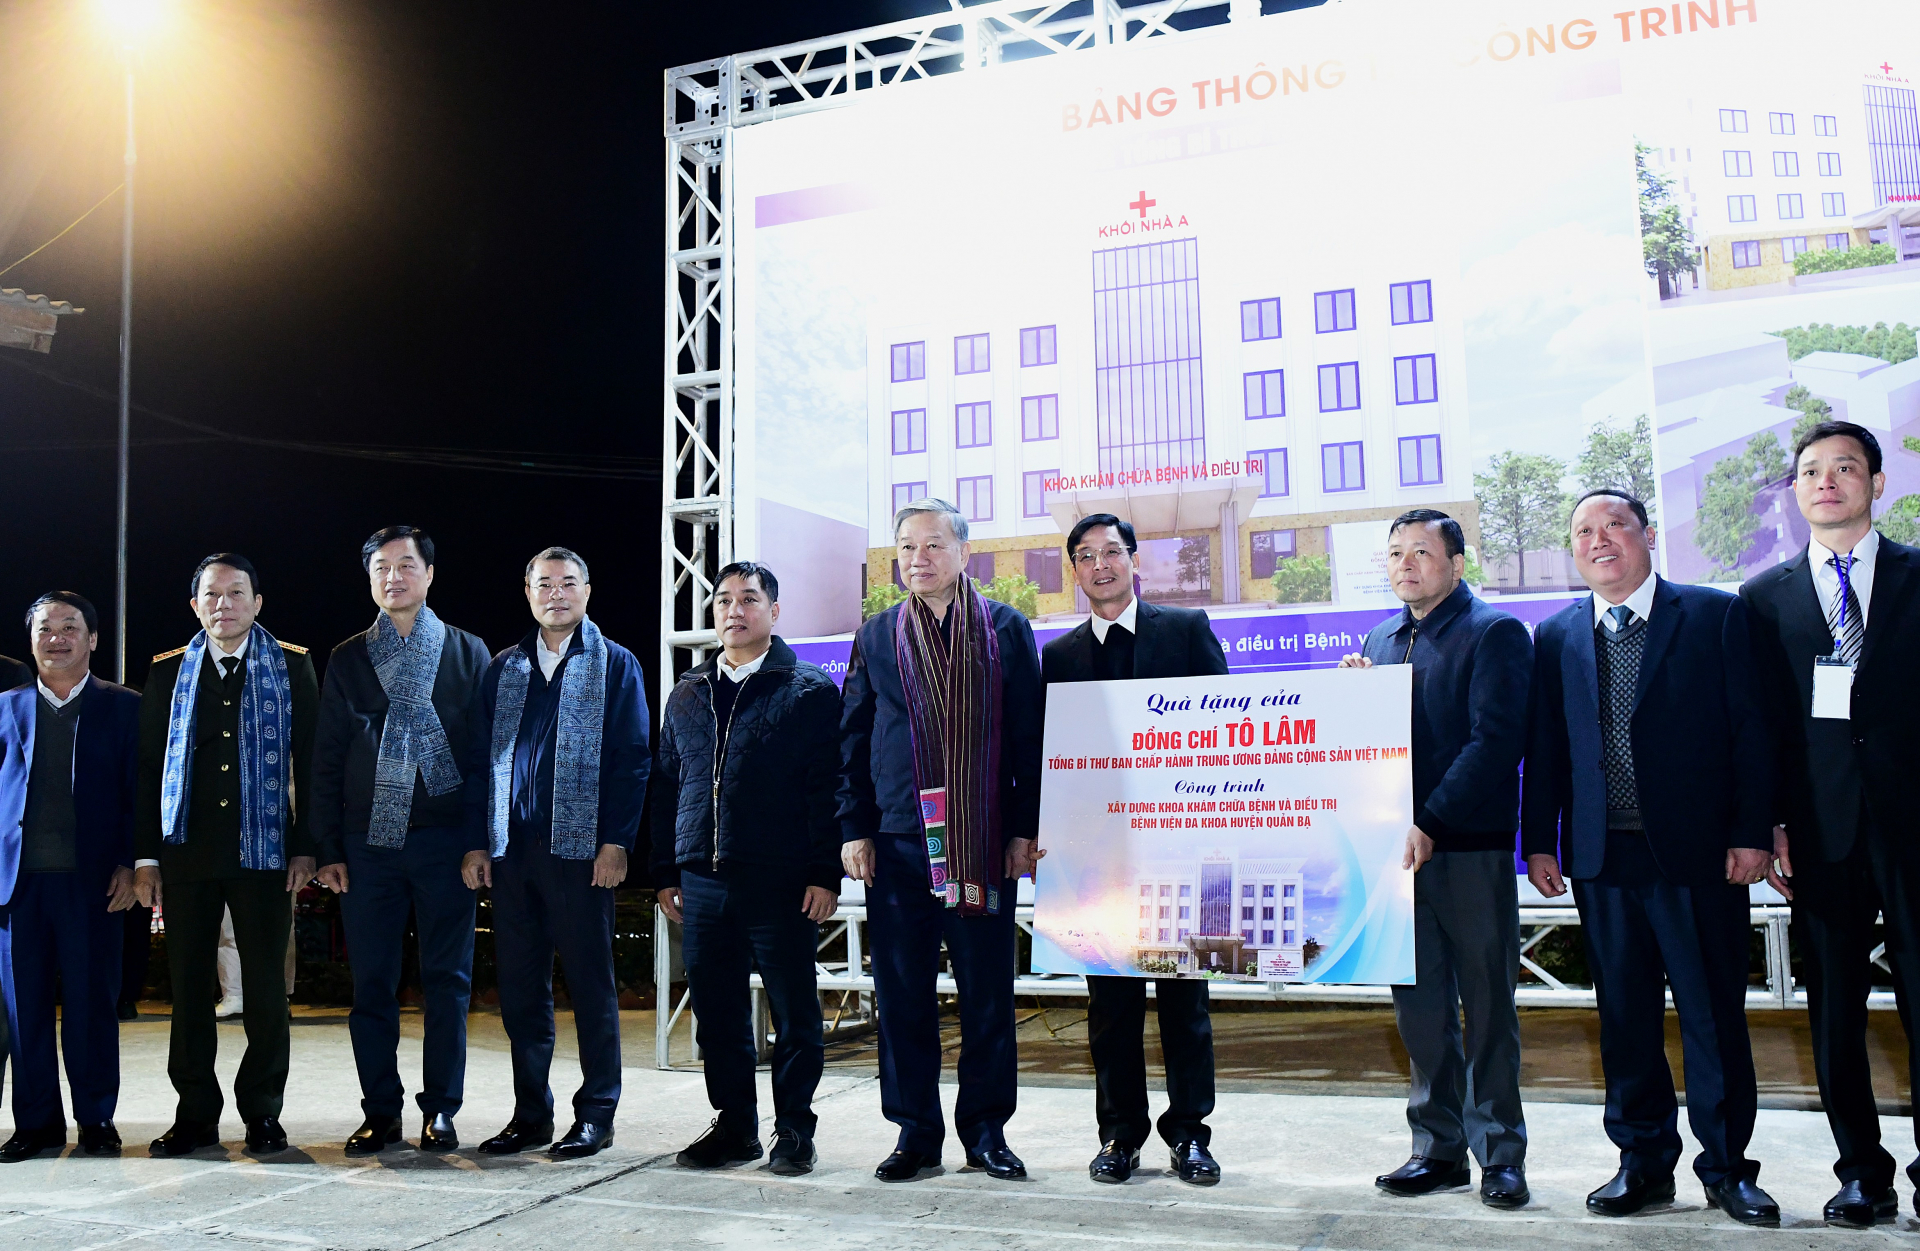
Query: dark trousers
[[1834, 908], [906, 925], [382, 884], [136, 952], [543, 904], [1638, 925], [262, 915], [733, 924], [1466, 941], [57, 930], [1116, 1025]]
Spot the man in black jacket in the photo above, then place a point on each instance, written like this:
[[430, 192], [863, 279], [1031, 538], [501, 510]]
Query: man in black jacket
[[1847, 842], [1126, 638], [1650, 783], [13, 673], [226, 738], [746, 856], [1472, 668], [389, 824]]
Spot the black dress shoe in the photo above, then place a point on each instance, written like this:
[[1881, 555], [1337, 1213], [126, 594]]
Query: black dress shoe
[[1504, 1186], [1628, 1192], [1114, 1164], [584, 1139], [998, 1162], [128, 1011], [792, 1153], [265, 1137], [375, 1135], [1743, 1200], [518, 1136], [1193, 1164], [904, 1165], [437, 1133], [185, 1136], [717, 1147], [1424, 1175], [100, 1140], [1859, 1206], [27, 1143]]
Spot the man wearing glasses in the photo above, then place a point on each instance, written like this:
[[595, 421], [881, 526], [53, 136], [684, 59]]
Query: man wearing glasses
[[1127, 638]]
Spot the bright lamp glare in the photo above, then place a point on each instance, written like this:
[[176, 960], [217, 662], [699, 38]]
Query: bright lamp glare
[[133, 19]]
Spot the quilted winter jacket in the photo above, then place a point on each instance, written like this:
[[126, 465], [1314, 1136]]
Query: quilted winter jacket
[[778, 766]]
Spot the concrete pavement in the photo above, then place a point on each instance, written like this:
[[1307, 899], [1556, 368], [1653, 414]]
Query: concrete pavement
[[1299, 1171]]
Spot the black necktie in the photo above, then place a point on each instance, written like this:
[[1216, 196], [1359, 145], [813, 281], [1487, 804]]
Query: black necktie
[[227, 665], [1851, 633]]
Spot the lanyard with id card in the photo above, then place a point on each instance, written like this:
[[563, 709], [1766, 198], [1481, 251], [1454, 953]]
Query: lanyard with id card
[[1832, 688]]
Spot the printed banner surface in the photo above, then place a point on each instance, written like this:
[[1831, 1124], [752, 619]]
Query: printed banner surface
[[1244, 827]]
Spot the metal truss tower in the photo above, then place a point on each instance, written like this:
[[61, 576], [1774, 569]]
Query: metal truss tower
[[705, 102]]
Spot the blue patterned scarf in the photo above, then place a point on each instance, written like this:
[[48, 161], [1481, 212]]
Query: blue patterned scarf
[[266, 730], [413, 740], [576, 750]]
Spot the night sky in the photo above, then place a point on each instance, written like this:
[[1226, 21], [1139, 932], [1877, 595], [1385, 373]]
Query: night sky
[[413, 224]]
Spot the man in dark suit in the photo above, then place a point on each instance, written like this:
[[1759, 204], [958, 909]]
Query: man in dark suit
[[556, 789], [1847, 846], [939, 808], [1127, 638], [389, 822], [13, 673], [226, 737], [1472, 670], [68, 743], [1649, 782]]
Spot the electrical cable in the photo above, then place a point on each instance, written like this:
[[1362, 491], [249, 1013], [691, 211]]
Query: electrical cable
[[63, 234]]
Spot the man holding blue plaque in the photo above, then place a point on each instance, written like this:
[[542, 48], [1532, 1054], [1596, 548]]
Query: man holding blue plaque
[[1833, 631], [1126, 638], [1472, 669], [939, 807]]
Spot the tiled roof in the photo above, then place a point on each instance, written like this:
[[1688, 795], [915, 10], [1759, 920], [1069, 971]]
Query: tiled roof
[[38, 303]]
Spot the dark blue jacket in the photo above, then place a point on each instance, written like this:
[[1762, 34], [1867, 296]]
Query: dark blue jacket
[[625, 759], [1472, 675], [1702, 755], [877, 790], [106, 755], [778, 765]]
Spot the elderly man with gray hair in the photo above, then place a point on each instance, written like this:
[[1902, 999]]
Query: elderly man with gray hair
[[939, 811]]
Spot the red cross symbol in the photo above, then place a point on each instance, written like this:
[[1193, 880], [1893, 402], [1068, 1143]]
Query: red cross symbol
[[1885, 68], [1141, 205]]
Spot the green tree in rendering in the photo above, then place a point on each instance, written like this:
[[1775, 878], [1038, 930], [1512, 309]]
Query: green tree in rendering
[[880, 598], [1665, 244], [1522, 507], [1812, 409], [1726, 523], [1891, 346], [1015, 591], [1194, 566], [1901, 521], [1618, 459], [1303, 580]]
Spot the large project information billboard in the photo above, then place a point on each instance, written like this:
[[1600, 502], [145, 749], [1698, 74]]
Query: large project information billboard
[[1259, 290]]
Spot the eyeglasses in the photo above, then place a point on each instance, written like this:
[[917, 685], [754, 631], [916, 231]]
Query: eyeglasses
[[1088, 557]]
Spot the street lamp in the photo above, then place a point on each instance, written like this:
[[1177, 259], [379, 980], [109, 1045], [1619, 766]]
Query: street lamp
[[131, 21]]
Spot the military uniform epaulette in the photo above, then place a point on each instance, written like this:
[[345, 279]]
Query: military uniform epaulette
[[292, 647], [168, 655]]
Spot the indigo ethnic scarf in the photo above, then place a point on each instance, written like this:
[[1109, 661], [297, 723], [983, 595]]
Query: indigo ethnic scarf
[[576, 757], [953, 706], [266, 730], [413, 741]]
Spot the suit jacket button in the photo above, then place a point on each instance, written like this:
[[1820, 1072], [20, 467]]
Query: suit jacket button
[[223, 803], [226, 734], [224, 768]]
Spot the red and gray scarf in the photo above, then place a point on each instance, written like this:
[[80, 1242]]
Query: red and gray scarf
[[953, 707]]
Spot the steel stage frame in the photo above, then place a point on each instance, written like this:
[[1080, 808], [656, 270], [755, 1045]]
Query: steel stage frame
[[705, 102]]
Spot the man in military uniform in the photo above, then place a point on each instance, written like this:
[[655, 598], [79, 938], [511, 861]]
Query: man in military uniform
[[226, 733]]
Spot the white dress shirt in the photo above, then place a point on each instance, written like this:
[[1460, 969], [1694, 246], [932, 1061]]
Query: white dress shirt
[[549, 661], [1826, 579], [1126, 619], [1640, 602], [741, 673], [72, 695]]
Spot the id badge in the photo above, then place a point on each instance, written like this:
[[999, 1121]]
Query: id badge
[[1832, 689]]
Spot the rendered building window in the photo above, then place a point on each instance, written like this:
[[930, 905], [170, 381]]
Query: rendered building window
[[1780, 123], [1828, 163], [1259, 319], [1267, 548], [1825, 125], [973, 424], [1738, 164], [1043, 569], [905, 493], [1343, 467], [974, 497], [1411, 302], [1332, 311], [1339, 387], [1786, 164], [1413, 380], [1033, 494], [1746, 253], [909, 361], [1733, 121], [1040, 417], [1420, 460], [909, 431], [1833, 203], [970, 354], [1742, 208], [1266, 393], [1037, 346], [1273, 472]]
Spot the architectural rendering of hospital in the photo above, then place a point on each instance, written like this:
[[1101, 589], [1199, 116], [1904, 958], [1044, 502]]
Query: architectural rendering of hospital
[[1217, 914]]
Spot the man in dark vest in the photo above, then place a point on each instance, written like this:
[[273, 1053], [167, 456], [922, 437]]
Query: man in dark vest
[[68, 745], [1472, 666], [1834, 633], [1649, 783], [226, 737], [389, 819], [1126, 638]]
